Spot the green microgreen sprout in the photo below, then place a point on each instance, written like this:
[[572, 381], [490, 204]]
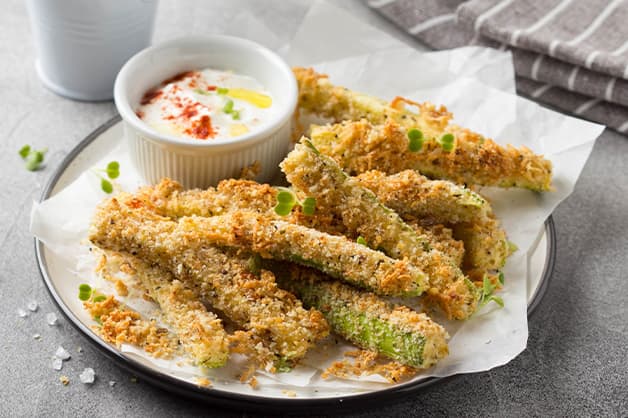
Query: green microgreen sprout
[[228, 107], [286, 200], [500, 277], [512, 247], [222, 90], [32, 158], [203, 92], [362, 241], [311, 146], [415, 140], [85, 292], [112, 171], [447, 142], [486, 294], [235, 115]]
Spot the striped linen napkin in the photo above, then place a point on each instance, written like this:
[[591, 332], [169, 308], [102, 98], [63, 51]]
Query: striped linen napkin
[[570, 54]]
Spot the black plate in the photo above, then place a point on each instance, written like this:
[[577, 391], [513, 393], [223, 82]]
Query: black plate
[[236, 400]]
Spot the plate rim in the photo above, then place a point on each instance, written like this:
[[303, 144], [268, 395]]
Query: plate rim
[[238, 400]]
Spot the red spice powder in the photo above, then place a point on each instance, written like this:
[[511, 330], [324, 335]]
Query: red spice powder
[[151, 96], [189, 111], [139, 114], [179, 77], [202, 128], [211, 88]]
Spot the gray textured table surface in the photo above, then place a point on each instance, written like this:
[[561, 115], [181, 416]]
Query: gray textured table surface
[[576, 363]]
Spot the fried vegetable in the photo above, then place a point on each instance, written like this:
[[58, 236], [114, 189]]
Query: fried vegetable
[[383, 136], [317, 175], [223, 278], [369, 322], [335, 255], [200, 332]]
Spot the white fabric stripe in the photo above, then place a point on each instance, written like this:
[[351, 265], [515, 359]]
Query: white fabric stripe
[[475, 38], [623, 127], [502, 47], [552, 47], [626, 72], [540, 23], [541, 91], [586, 106], [621, 49], [608, 94], [380, 3], [490, 12], [591, 58], [572, 77], [596, 23], [430, 23], [536, 65]]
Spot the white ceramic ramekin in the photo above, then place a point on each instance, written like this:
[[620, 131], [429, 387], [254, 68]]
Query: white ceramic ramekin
[[204, 163]]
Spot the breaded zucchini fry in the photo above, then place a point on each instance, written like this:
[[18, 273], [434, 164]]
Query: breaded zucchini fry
[[169, 199], [222, 278], [201, 332], [414, 196], [369, 322], [317, 175], [475, 159], [486, 245], [441, 238], [334, 255]]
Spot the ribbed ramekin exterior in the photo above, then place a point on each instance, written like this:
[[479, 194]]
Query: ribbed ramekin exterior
[[155, 160]]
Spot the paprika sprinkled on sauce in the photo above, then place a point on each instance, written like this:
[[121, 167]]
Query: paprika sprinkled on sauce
[[205, 105]]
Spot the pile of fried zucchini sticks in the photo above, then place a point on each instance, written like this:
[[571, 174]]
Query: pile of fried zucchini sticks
[[380, 205]]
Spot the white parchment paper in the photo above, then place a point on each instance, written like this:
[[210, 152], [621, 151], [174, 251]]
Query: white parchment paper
[[477, 84]]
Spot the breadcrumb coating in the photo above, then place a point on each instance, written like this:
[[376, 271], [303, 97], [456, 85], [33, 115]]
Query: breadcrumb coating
[[373, 136], [223, 278], [416, 198], [314, 174], [120, 324], [200, 332], [368, 321]]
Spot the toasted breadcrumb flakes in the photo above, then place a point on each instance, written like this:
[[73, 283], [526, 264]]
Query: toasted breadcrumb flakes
[[64, 380], [361, 362], [121, 288], [253, 383], [203, 382], [289, 393], [122, 325]]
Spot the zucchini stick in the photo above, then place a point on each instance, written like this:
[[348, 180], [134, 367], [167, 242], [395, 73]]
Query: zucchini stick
[[317, 175], [223, 278], [335, 255], [201, 332], [380, 141], [369, 322], [414, 196]]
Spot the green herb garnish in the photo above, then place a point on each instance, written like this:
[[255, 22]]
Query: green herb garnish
[[487, 295], [32, 158], [235, 115], [201, 91], [222, 90], [85, 292], [415, 140], [500, 277], [286, 200], [311, 146], [361, 241], [112, 171], [228, 107], [447, 142]]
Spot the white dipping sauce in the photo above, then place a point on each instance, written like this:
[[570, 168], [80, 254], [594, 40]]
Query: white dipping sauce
[[207, 104]]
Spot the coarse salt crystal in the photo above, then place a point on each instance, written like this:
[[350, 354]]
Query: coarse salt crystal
[[32, 306], [62, 353], [37, 336], [22, 313], [112, 383], [51, 319], [87, 376], [57, 363]]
